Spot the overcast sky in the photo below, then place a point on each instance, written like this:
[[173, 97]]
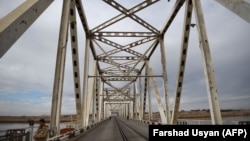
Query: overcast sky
[[27, 69]]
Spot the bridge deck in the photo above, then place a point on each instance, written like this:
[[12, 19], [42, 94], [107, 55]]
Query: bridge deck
[[117, 129]]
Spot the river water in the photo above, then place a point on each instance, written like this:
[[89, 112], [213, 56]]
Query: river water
[[7, 126], [228, 120]]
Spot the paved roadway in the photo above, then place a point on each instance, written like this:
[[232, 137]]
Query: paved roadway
[[117, 129]]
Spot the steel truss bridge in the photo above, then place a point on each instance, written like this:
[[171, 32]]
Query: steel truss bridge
[[119, 57]]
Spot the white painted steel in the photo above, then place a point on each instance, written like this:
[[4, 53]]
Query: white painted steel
[[182, 60], [238, 7], [164, 79], [90, 93], [18, 21], [149, 93], [158, 98], [207, 64], [99, 90], [59, 70], [75, 61], [85, 81]]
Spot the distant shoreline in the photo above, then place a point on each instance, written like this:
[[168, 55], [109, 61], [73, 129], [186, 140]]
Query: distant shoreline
[[193, 114]]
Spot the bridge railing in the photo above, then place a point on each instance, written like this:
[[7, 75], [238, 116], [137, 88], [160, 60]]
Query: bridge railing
[[197, 122], [22, 134], [26, 134], [73, 134]]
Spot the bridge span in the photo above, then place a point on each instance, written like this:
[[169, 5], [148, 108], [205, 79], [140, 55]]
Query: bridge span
[[119, 51], [117, 129]]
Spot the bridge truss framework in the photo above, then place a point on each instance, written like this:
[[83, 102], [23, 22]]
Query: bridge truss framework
[[123, 63]]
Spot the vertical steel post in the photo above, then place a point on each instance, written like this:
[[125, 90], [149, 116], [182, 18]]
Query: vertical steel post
[[145, 91], [97, 98], [164, 74], [94, 100], [59, 71], [128, 111], [85, 81], [134, 104], [138, 103], [102, 101], [100, 105], [125, 110], [90, 92], [149, 93], [132, 110], [207, 64], [104, 108], [141, 100], [149, 102]]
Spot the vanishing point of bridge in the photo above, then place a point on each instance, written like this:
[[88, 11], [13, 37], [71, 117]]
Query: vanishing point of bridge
[[120, 78]]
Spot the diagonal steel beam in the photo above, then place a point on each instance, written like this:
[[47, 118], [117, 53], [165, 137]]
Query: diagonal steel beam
[[117, 46], [238, 7], [150, 54], [130, 13], [108, 57], [117, 89], [18, 21], [144, 56], [182, 60], [122, 16], [82, 15], [158, 98], [112, 67], [131, 45], [172, 15], [119, 65]]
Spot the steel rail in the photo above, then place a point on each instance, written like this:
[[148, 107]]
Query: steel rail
[[137, 132]]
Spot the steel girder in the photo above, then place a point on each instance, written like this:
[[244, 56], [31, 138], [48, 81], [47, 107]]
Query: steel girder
[[119, 63], [18, 21]]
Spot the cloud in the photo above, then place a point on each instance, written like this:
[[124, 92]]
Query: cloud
[[27, 69]]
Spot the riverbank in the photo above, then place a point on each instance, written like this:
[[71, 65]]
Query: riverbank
[[193, 114], [25, 119], [205, 114], [201, 114]]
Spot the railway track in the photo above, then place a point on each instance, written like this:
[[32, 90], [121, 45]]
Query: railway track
[[129, 132]]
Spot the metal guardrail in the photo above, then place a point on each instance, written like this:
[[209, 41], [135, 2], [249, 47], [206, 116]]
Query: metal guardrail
[[26, 134], [74, 133], [196, 122], [244, 122], [22, 134]]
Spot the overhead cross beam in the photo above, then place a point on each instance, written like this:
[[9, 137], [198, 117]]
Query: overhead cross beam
[[127, 47], [122, 16], [118, 47], [130, 13]]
